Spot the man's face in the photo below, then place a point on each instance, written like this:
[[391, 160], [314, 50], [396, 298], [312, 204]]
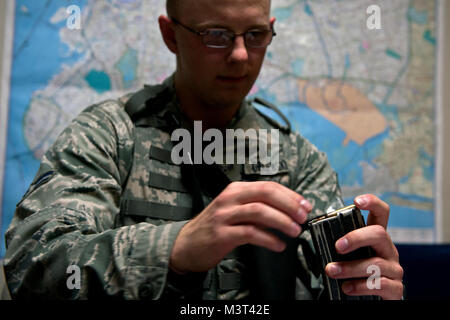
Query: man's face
[[219, 78]]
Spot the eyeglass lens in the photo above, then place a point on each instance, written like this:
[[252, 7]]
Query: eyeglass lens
[[218, 38]]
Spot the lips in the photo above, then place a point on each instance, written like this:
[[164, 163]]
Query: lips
[[232, 79]]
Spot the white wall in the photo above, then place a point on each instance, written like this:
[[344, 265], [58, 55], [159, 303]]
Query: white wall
[[444, 118]]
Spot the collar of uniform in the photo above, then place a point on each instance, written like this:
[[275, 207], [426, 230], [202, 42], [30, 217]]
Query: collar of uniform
[[242, 111], [172, 110], [245, 118], [173, 104]]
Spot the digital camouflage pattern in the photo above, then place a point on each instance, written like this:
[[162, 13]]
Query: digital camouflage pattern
[[108, 200]]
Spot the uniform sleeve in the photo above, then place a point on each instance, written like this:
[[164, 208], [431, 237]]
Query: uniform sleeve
[[67, 217], [315, 179]]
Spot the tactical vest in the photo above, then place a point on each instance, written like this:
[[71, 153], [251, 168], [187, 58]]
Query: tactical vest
[[157, 191], [4, 291]]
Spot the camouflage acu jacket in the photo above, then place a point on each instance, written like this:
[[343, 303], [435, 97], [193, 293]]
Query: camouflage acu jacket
[[108, 200]]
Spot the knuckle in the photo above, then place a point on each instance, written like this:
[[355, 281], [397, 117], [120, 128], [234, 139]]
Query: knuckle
[[215, 234], [255, 207], [267, 187], [399, 271], [218, 216], [396, 255], [221, 199], [250, 232], [225, 197], [234, 184], [378, 261], [391, 290], [371, 197], [379, 232], [263, 189], [384, 283]]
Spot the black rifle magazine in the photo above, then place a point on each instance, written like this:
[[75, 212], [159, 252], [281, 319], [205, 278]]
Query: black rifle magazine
[[325, 231]]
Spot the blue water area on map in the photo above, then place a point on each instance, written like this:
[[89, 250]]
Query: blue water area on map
[[38, 55], [347, 61], [391, 53], [427, 164], [127, 66], [328, 137], [297, 66], [282, 13], [345, 159], [429, 37], [390, 112], [419, 17], [98, 80], [308, 10], [407, 217]]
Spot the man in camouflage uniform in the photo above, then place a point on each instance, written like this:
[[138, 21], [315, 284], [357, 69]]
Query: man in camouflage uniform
[[109, 199]]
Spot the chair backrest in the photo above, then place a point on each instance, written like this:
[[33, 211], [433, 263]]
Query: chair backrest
[[426, 269]]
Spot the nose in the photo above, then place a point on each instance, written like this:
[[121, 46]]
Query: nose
[[239, 51]]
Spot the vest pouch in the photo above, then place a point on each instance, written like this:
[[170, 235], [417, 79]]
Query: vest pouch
[[271, 275]]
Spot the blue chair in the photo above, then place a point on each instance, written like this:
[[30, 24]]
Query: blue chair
[[426, 271]]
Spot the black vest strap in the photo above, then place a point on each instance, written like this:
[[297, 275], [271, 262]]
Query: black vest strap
[[168, 183], [155, 210], [136, 101], [160, 154], [287, 128]]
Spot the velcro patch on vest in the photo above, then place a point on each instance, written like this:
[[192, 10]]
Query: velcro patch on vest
[[269, 169]]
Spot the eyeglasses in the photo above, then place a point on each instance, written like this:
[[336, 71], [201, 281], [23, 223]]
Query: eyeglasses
[[223, 38]]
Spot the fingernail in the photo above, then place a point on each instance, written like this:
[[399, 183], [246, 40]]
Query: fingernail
[[295, 229], [306, 205], [347, 287], [361, 201], [281, 246], [334, 269], [342, 245], [301, 215]]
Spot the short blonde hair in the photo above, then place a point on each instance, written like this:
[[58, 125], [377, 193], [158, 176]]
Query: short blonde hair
[[173, 5]]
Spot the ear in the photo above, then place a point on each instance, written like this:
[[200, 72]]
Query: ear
[[272, 21], [168, 33]]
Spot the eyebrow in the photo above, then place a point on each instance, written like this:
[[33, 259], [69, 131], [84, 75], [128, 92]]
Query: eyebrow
[[210, 25]]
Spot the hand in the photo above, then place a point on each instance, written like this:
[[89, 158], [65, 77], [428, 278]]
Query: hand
[[386, 260], [238, 216]]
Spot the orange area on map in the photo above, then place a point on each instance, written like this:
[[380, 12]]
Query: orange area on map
[[345, 106]]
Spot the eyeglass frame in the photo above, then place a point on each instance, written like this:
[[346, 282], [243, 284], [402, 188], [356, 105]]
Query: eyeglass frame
[[203, 33]]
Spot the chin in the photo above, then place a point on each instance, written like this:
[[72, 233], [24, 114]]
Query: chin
[[225, 102], [229, 96]]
